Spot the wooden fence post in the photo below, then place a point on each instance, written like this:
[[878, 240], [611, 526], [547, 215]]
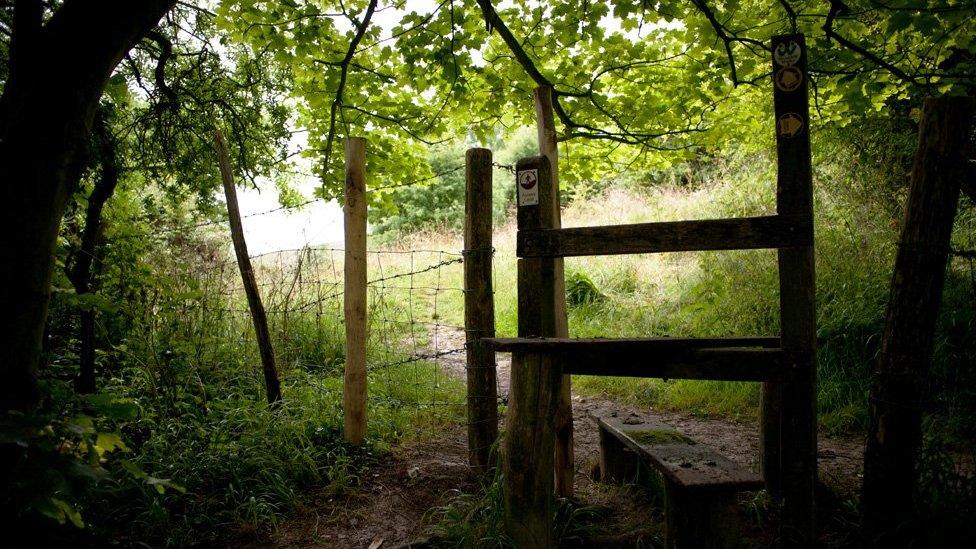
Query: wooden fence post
[[354, 300], [898, 390], [795, 470], [548, 147], [536, 378], [272, 386], [479, 310]]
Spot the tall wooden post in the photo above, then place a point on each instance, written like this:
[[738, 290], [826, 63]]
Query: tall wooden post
[[897, 394], [354, 301], [272, 386], [796, 399], [536, 378], [548, 147], [479, 310]]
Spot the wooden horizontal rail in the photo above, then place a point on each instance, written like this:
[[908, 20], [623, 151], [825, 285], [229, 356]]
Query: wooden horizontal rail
[[744, 233], [565, 345], [726, 359]]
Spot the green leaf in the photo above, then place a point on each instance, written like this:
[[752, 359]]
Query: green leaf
[[899, 20], [70, 512], [113, 407], [161, 484], [107, 443], [133, 469]]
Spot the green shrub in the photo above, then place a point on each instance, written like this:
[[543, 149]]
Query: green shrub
[[580, 290]]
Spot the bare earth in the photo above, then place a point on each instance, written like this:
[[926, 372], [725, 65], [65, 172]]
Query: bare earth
[[394, 504]]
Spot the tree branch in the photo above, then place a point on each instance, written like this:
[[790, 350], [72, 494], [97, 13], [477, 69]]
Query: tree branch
[[159, 74], [574, 128], [361, 28], [837, 7]]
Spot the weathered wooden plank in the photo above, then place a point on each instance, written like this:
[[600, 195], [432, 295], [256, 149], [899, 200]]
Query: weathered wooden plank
[[659, 357], [775, 231], [713, 364], [548, 147], [272, 386], [681, 459], [479, 311], [528, 459], [794, 466], [632, 345]]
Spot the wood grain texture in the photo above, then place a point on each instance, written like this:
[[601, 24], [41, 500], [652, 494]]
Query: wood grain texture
[[549, 147], [907, 345], [712, 364], [750, 359], [354, 298], [479, 310], [272, 386], [687, 464], [528, 460], [777, 231], [794, 469], [632, 345]]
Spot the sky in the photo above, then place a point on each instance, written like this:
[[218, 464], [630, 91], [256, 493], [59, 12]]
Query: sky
[[320, 223]]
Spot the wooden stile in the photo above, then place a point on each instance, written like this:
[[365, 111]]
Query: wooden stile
[[272, 386], [479, 310], [542, 355], [354, 297], [548, 147]]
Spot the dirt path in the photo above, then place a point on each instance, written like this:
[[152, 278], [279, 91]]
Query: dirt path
[[393, 505]]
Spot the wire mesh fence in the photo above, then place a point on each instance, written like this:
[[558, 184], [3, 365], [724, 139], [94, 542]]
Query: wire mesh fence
[[415, 333], [416, 339]]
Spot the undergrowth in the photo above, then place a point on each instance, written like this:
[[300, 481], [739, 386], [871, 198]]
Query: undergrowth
[[199, 455]]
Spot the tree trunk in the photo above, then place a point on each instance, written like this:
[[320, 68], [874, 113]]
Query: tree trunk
[[82, 271], [58, 72], [897, 393]]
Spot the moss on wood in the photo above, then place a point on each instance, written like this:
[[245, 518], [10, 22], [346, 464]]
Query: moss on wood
[[659, 436]]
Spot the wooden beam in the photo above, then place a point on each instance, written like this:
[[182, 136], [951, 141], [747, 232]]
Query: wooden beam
[[776, 231], [354, 297], [272, 386], [479, 311], [898, 390], [718, 364], [528, 460], [681, 459], [560, 345], [792, 406], [548, 147], [724, 359]]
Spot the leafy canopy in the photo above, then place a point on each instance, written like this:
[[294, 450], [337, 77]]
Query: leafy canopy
[[635, 82]]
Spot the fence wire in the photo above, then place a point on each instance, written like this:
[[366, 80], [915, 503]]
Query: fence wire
[[415, 334], [416, 340]]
